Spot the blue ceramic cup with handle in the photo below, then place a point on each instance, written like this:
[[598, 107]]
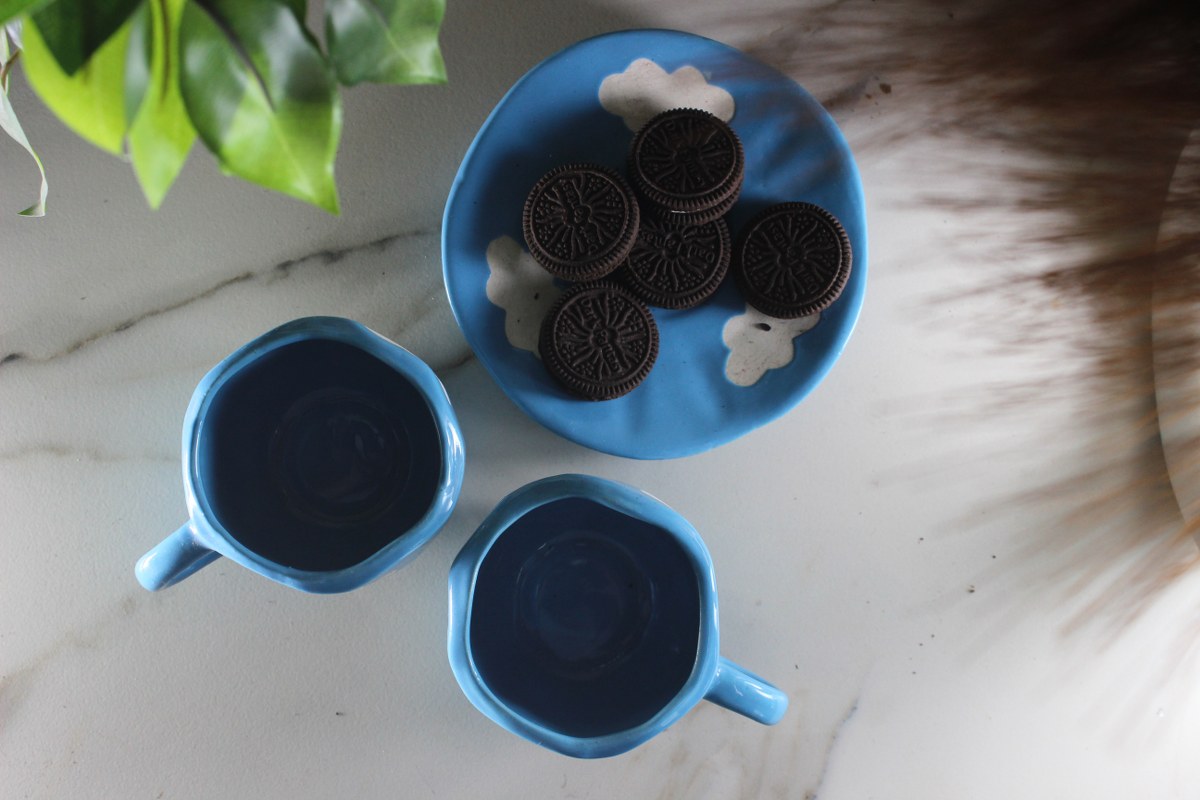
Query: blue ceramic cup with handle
[[320, 455], [583, 617]]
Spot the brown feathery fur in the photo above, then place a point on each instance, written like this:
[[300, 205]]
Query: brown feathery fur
[[1095, 101]]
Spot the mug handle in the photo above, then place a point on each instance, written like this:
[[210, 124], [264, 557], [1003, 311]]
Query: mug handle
[[173, 559], [738, 689]]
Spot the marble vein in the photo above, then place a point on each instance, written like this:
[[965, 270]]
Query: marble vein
[[91, 455], [16, 683], [280, 271], [814, 793], [444, 371]]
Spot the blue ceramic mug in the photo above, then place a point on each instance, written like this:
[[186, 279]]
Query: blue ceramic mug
[[320, 455], [583, 617]]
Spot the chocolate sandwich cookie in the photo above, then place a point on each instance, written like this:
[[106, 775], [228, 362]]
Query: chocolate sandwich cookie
[[691, 218], [580, 221], [791, 260], [599, 341], [677, 266], [686, 160]]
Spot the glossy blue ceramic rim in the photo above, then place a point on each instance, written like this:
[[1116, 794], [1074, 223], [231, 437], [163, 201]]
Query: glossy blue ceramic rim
[[621, 498], [820, 168], [214, 535]]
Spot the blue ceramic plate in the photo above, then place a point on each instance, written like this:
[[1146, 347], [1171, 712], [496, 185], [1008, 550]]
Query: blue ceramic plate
[[557, 114]]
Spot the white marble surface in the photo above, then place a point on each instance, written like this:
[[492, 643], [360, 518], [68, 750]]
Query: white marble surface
[[870, 555]]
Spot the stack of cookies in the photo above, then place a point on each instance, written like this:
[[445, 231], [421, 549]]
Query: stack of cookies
[[661, 239], [580, 223], [687, 168]]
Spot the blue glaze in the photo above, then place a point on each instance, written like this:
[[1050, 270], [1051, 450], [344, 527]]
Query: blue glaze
[[320, 455], [583, 617], [552, 116]]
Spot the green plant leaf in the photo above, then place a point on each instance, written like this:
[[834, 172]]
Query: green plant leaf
[[9, 53], [139, 57], [299, 8], [12, 126], [75, 29], [90, 102], [13, 8], [160, 133], [8, 117], [385, 41], [261, 95]]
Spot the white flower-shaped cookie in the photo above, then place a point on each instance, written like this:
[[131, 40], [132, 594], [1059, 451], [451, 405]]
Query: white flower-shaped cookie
[[644, 89], [758, 343], [519, 285]]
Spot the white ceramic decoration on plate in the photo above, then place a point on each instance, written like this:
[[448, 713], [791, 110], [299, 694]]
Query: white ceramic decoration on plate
[[723, 369], [1177, 392]]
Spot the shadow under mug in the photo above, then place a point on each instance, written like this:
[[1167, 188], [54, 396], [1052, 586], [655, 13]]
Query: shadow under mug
[[583, 617], [320, 455]]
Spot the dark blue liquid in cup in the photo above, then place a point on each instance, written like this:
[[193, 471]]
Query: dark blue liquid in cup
[[584, 619], [317, 455]]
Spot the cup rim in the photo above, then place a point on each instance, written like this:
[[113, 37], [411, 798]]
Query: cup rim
[[212, 531], [624, 499]]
